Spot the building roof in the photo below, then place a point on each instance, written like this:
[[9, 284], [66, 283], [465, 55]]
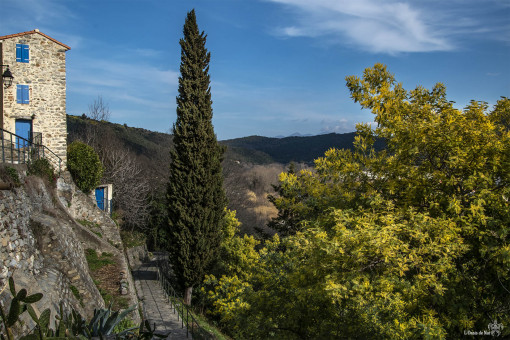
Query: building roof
[[33, 32]]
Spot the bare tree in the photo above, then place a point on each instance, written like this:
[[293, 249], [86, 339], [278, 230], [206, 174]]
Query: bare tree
[[130, 185], [122, 167], [99, 110]]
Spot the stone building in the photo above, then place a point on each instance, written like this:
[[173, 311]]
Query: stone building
[[34, 106]]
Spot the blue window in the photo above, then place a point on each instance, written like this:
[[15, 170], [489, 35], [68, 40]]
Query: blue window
[[22, 53], [22, 94]]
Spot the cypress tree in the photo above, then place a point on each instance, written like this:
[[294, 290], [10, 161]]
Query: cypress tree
[[196, 200]]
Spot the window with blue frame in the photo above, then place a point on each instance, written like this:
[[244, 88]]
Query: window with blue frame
[[22, 53], [22, 94]]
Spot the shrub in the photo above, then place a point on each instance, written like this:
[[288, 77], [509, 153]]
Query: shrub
[[84, 165], [10, 175], [133, 238], [42, 167]]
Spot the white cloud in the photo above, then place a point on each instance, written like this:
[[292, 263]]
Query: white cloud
[[338, 126], [380, 27], [137, 86], [34, 14]]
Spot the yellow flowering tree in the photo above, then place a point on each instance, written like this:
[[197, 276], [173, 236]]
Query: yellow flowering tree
[[407, 242]]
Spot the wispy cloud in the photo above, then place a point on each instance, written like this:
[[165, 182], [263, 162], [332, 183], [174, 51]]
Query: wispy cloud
[[379, 27], [147, 52], [35, 13], [132, 82], [45, 15]]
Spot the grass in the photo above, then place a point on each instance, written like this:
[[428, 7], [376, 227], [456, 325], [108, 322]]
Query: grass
[[97, 262], [93, 227], [118, 302], [210, 328], [132, 239], [202, 321], [10, 175], [105, 280], [77, 294]]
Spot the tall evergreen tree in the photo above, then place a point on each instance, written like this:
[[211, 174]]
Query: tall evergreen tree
[[196, 199]]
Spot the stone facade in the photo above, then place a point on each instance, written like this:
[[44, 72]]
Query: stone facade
[[45, 76]]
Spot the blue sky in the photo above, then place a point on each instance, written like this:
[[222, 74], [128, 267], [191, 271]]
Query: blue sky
[[277, 66]]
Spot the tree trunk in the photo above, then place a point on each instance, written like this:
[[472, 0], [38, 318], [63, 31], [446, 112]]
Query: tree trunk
[[187, 295]]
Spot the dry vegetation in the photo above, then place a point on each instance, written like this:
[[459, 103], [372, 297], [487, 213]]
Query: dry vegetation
[[247, 187]]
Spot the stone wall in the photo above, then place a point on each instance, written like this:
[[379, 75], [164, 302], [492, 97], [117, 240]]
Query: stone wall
[[45, 74], [42, 246], [81, 207], [41, 252], [137, 255]]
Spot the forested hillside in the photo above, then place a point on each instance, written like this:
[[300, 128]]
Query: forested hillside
[[251, 165], [291, 149]]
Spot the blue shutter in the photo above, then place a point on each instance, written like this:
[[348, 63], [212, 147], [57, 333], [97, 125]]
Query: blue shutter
[[22, 53], [19, 94], [22, 94], [25, 54], [18, 52], [25, 94]]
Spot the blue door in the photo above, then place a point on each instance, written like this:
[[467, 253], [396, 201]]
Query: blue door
[[100, 198], [24, 130]]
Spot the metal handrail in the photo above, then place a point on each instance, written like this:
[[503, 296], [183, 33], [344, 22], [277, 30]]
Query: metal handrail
[[18, 150], [183, 311]]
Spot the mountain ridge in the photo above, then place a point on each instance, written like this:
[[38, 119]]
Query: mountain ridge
[[250, 149]]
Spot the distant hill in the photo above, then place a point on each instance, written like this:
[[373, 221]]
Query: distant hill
[[288, 149], [252, 164], [252, 149]]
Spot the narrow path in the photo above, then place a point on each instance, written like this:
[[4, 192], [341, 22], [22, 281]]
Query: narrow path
[[154, 303]]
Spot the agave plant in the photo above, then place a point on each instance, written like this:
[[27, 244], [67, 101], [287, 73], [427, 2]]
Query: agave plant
[[104, 321], [70, 325]]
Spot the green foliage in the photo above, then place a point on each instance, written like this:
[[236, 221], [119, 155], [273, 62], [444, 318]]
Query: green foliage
[[157, 223], [264, 150], [94, 227], [132, 239], [237, 253], [19, 304], [406, 242], [10, 175], [195, 195], [96, 262], [76, 294], [42, 167], [125, 324], [104, 321], [84, 165]]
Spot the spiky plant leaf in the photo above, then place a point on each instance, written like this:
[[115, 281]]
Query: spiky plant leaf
[[12, 287], [22, 294], [32, 314], [33, 298], [14, 312], [44, 319]]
